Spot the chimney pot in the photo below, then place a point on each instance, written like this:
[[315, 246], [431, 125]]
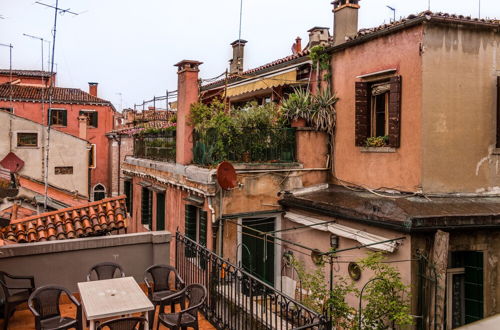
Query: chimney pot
[[345, 20], [93, 88], [298, 45]]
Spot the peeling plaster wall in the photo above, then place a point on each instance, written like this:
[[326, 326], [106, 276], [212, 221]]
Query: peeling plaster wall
[[460, 67]]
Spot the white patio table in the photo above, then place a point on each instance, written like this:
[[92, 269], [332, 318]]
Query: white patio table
[[114, 297]]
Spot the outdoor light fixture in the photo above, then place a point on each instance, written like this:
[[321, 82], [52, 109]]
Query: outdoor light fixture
[[334, 241]]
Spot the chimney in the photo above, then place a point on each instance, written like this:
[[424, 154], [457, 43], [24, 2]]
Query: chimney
[[318, 36], [297, 46], [236, 63], [82, 127], [93, 88], [345, 20], [187, 94]]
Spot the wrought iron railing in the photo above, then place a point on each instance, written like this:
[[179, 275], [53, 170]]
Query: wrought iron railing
[[237, 299], [245, 145], [156, 146]]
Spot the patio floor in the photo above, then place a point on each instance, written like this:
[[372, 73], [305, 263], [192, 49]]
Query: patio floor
[[24, 320]]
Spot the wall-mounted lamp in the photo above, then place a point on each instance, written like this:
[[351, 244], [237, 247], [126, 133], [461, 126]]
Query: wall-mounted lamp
[[334, 241]]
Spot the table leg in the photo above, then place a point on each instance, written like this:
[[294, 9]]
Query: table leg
[[146, 324], [92, 325]]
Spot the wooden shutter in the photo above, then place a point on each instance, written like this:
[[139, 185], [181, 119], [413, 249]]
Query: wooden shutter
[[498, 112], [64, 117], [361, 114], [190, 222], [93, 119], [394, 111], [203, 228], [146, 206], [160, 211]]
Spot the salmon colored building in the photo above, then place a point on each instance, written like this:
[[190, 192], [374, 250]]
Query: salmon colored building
[[73, 111]]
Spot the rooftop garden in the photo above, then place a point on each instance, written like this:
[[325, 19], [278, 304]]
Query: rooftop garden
[[257, 133]]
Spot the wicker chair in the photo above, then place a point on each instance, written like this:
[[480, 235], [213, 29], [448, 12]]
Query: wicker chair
[[124, 323], [160, 290], [105, 271], [14, 294], [187, 317], [44, 304]]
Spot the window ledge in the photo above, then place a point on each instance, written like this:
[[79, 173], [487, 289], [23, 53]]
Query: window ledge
[[378, 149]]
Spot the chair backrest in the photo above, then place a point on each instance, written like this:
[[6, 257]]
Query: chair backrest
[[105, 271], [161, 276], [124, 323], [196, 294], [45, 301]]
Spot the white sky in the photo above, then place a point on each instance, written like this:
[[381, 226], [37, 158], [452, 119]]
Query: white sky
[[130, 47]]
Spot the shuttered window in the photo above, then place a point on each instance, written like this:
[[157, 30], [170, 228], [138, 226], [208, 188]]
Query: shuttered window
[[58, 117], [196, 224], [378, 111], [92, 117], [129, 192], [160, 211], [146, 207]]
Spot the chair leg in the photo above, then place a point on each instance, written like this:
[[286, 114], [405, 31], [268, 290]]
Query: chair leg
[[6, 313], [151, 317]]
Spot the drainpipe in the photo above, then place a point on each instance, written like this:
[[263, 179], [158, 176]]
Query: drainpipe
[[119, 161]]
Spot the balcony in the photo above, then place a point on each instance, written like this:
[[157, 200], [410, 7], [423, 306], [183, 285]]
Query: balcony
[[156, 146], [245, 145]]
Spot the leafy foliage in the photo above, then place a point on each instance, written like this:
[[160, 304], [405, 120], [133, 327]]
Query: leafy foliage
[[387, 298], [377, 141], [320, 58]]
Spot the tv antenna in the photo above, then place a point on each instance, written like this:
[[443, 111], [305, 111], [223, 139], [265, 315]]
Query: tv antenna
[[393, 12], [57, 10]]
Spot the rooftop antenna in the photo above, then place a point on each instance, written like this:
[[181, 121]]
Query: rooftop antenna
[[61, 11], [479, 9], [429, 5], [393, 12]]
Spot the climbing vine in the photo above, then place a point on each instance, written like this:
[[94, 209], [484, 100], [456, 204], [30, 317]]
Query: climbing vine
[[321, 62]]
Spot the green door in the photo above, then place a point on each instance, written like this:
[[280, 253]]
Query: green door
[[160, 211], [257, 256]]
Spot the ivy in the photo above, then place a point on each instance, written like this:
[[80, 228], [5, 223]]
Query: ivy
[[320, 58]]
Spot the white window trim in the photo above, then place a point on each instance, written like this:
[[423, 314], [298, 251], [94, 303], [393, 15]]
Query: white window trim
[[38, 142], [93, 190], [94, 154]]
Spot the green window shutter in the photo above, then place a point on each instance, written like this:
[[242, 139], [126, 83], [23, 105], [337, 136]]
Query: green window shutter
[[64, 117], [93, 119], [473, 286], [160, 211], [146, 207], [203, 228], [190, 224]]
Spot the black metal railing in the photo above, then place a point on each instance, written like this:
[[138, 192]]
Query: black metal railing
[[156, 146], [237, 299], [245, 145]]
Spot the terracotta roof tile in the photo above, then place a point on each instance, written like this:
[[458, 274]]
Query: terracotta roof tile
[[26, 73], [60, 94], [92, 219], [426, 15]]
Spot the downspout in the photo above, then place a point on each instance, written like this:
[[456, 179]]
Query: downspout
[[119, 162]]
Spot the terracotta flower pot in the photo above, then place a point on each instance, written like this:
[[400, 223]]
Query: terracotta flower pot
[[300, 122]]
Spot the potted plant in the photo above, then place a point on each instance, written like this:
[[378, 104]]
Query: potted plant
[[377, 141], [297, 107]]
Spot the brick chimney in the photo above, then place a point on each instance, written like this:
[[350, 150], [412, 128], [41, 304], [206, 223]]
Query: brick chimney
[[297, 46], [236, 63], [187, 94], [345, 20], [318, 36], [93, 88], [82, 127]]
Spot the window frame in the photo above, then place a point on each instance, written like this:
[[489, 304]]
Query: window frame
[[64, 117], [26, 146], [7, 109], [94, 190], [201, 221], [89, 113], [92, 156]]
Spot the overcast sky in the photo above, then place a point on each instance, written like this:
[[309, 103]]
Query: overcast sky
[[130, 47]]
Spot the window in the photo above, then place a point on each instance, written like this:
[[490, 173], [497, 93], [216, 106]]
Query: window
[[92, 117], [99, 192], [27, 139], [378, 111], [196, 224], [6, 109], [146, 207], [464, 289], [129, 192], [58, 117], [58, 170], [92, 159], [160, 211]]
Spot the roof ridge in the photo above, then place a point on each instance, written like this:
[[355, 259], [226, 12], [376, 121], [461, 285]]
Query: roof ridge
[[46, 214]]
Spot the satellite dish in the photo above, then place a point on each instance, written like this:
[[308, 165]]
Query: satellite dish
[[226, 175]]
